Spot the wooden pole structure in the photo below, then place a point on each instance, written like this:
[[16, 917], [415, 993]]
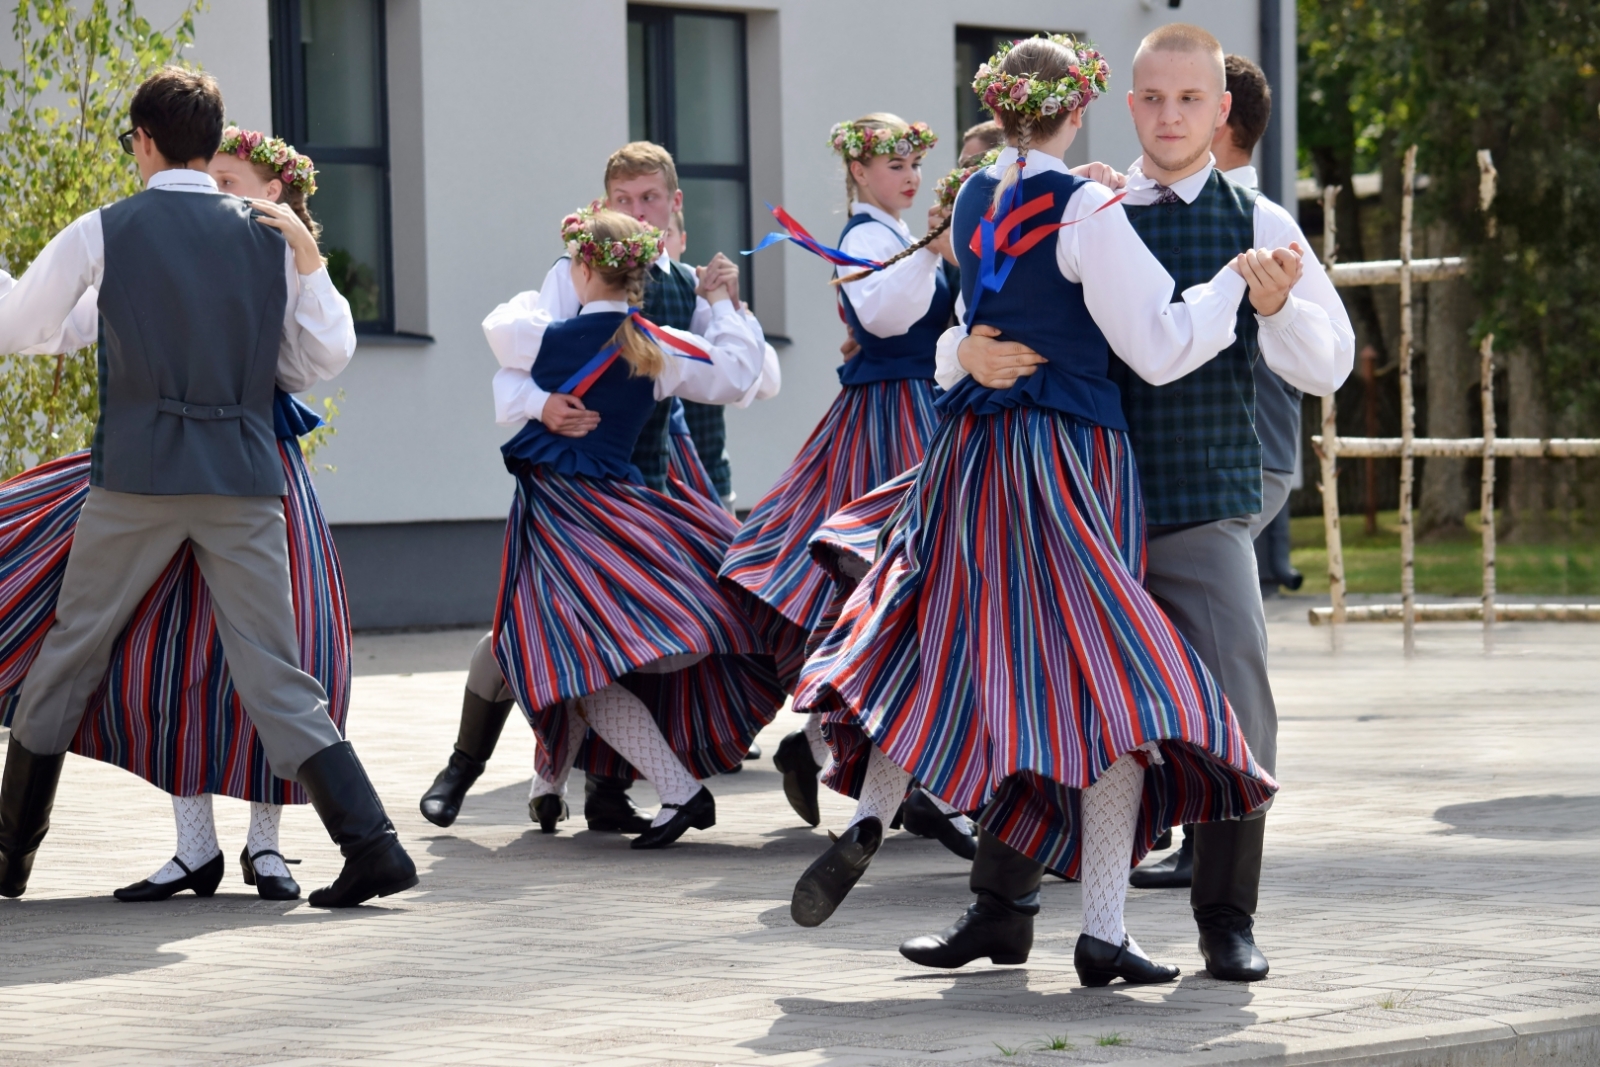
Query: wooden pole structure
[[1329, 451], [1369, 400], [1486, 350], [1408, 414]]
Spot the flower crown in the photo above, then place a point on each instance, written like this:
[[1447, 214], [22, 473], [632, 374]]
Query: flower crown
[[294, 169], [945, 192], [1027, 94], [852, 140], [628, 253]]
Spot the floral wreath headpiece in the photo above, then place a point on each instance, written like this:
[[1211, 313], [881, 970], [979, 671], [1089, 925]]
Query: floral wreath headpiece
[[1027, 94], [294, 170], [945, 192], [852, 140], [628, 253]]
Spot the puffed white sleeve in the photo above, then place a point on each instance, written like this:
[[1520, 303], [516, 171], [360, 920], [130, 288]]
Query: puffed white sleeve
[[515, 331], [1129, 292], [319, 332], [33, 307], [890, 301], [947, 368], [81, 329], [1309, 342], [768, 384], [736, 361]]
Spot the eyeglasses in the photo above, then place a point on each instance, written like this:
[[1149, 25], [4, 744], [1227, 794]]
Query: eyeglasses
[[126, 140]]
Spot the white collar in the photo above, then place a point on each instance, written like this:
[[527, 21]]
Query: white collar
[[1038, 163], [664, 261], [185, 180], [598, 307], [1186, 188], [1245, 176], [880, 215]]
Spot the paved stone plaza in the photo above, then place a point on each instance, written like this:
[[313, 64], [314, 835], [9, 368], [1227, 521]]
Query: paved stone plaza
[[1432, 859]]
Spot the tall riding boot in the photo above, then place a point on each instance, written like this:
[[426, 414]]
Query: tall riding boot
[[375, 864], [26, 797], [1173, 872], [1000, 924], [481, 723], [1227, 877], [608, 809]]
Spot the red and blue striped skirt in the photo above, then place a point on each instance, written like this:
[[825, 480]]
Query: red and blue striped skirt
[[846, 545], [602, 577], [166, 709], [872, 433], [686, 473], [1003, 650]]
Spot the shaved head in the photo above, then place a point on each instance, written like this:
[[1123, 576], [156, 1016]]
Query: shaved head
[[1183, 37]]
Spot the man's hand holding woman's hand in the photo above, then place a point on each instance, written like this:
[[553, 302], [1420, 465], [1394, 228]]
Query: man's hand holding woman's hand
[[717, 279], [1272, 273], [565, 414], [996, 364]]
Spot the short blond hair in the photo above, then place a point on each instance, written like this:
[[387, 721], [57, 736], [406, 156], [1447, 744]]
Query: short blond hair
[[1185, 37], [637, 158]]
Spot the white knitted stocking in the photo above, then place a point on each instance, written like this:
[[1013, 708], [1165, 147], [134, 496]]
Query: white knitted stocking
[[1110, 811], [883, 790], [264, 820], [576, 728], [960, 821], [197, 837], [624, 723]]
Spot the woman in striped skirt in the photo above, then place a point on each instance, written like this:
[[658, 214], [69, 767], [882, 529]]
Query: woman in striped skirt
[[1001, 649], [612, 630]]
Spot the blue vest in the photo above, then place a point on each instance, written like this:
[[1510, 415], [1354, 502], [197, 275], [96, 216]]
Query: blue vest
[[623, 400], [1039, 308], [890, 359]]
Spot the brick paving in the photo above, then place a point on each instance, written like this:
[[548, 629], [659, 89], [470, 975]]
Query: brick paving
[[1433, 857]]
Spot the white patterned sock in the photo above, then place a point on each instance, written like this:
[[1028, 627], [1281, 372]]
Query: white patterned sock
[[813, 731], [624, 723], [960, 821], [576, 728], [882, 792], [263, 836], [1110, 810], [197, 837]]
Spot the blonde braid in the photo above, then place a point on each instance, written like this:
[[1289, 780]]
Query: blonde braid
[[927, 239], [1013, 173]]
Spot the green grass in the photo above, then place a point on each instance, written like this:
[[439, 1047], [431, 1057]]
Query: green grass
[[1565, 564], [1112, 1038], [1058, 1043], [1007, 1051]]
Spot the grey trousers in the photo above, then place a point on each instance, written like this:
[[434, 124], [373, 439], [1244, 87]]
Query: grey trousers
[[122, 544], [1204, 578], [1275, 489], [484, 678]]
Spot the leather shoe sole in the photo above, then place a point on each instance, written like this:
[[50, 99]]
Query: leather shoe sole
[[794, 761], [829, 879]]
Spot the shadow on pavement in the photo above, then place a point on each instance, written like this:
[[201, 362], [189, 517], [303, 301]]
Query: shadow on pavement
[[1544, 818]]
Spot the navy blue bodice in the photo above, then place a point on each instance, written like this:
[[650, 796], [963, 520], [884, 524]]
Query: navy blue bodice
[[623, 400], [889, 359], [291, 418], [1039, 308]]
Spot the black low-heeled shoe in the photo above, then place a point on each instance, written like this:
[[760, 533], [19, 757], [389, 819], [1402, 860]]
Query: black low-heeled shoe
[[547, 809], [925, 819], [1098, 962], [1171, 872], [829, 879], [799, 769], [203, 880], [753, 752], [268, 886], [699, 812]]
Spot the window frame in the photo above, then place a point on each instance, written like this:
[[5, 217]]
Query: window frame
[[289, 122]]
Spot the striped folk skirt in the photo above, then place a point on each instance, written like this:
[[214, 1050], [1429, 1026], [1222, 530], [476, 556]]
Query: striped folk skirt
[[846, 545], [872, 433], [603, 577], [1003, 650], [166, 709], [686, 473]]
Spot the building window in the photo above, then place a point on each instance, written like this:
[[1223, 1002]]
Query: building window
[[974, 45], [329, 99], [686, 92]]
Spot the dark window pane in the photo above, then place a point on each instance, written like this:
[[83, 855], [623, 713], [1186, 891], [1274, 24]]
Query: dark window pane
[[708, 76], [968, 107], [349, 204], [638, 83], [713, 217], [339, 39]]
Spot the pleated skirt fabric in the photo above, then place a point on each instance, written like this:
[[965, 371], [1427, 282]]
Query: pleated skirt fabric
[[167, 709], [870, 434], [1003, 650], [603, 577], [846, 545]]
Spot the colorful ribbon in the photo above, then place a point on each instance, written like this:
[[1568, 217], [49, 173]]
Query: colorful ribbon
[[601, 361], [797, 233]]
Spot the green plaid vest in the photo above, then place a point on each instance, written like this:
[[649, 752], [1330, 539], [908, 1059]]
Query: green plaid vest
[[1195, 438], [668, 301]]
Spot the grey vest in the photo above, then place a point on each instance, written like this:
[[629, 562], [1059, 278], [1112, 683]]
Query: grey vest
[[1277, 419], [191, 312]]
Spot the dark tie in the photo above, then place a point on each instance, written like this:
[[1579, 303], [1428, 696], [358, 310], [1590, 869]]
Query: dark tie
[[1165, 195]]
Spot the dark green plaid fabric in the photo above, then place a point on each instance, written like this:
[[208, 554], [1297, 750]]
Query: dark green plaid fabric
[[1195, 438], [668, 301], [709, 431]]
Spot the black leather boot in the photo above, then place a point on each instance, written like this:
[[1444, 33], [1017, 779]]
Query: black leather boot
[[1227, 878], [547, 810], [925, 819], [832, 875], [26, 797], [481, 724], [375, 864], [1098, 962], [608, 809], [999, 924], [794, 761], [1172, 872]]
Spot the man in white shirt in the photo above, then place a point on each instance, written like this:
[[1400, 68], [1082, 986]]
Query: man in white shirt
[[203, 308]]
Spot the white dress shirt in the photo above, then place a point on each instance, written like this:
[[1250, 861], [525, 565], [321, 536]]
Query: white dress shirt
[[888, 302], [53, 307], [743, 367], [1126, 289]]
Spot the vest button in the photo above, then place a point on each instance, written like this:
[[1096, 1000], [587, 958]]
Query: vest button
[[186, 409], [1179, 438], [219, 413]]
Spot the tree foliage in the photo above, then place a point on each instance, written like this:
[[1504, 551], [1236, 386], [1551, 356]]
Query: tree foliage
[[66, 99]]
